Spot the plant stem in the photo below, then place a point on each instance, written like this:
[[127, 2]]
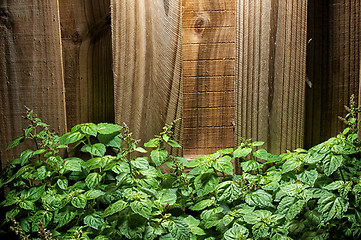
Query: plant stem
[[342, 176]]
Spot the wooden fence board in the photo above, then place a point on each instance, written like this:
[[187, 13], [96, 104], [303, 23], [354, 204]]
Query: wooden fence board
[[147, 64], [270, 72], [31, 71], [332, 65], [87, 51], [208, 75]]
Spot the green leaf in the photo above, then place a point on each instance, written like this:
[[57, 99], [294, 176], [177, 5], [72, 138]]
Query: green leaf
[[62, 183], [257, 144], [331, 163], [224, 165], [259, 198], [173, 143], [260, 230], [110, 140], [291, 165], [79, 201], [142, 207], [334, 185], [262, 154], [89, 129], [168, 196], [93, 194], [236, 232], [97, 149], [140, 163], [114, 208], [158, 156], [27, 205], [70, 137], [16, 142], [250, 165], [202, 204], [206, 183], [308, 177], [332, 206], [25, 156], [92, 180], [154, 142], [191, 221], [64, 217], [179, 229], [295, 209], [242, 152], [140, 149], [73, 164], [228, 191], [94, 220], [108, 128], [34, 193]]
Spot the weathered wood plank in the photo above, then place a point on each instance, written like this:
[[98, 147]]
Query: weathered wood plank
[[208, 117], [332, 65], [205, 84], [271, 42], [87, 51], [147, 64], [31, 71], [208, 75], [221, 51]]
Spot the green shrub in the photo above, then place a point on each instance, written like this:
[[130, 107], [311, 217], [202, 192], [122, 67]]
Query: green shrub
[[95, 182]]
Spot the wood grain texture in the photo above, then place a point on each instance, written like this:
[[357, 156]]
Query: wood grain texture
[[332, 65], [31, 71], [87, 51], [147, 64], [270, 72], [208, 75]]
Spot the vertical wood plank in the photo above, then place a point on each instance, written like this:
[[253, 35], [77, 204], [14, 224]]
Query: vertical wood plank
[[87, 50], [270, 72], [208, 75], [31, 71], [332, 65], [147, 64]]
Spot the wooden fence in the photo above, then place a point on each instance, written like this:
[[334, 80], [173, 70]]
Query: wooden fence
[[276, 71]]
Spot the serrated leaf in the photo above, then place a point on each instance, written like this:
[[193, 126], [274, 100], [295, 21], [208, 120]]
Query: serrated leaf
[[62, 183], [250, 165], [308, 177], [154, 142], [79, 201], [191, 221], [142, 207], [224, 165], [110, 140], [257, 144], [202, 204], [97, 149], [16, 142], [331, 163], [291, 165], [89, 129], [114, 208], [179, 230], [228, 191], [27, 205], [108, 128], [206, 183], [73, 164], [242, 152], [259, 198], [295, 209], [94, 220], [70, 137], [261, 154], [334, 185], [34, 193], [140, 163], [168, 196], [140, 149], [25, 156], [92, 180], [173, 143], [158, 156], [236, 232], [93, 194]]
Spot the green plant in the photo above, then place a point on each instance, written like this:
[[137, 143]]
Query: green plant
[[95, 182]]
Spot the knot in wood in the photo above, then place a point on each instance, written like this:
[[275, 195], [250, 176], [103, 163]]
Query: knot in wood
[[199, 25]]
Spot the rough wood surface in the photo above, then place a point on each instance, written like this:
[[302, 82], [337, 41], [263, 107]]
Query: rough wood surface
[[270, 72], [147, 64], [332, 65], [31, 71], [87, 51], [208, 75]]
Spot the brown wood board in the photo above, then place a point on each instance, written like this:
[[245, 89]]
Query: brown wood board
[[270, 72], [87, 51], [147, 65], [31, 70]]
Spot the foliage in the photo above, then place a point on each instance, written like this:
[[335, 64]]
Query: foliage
[[95, 182]]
